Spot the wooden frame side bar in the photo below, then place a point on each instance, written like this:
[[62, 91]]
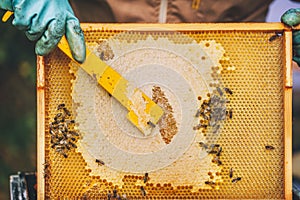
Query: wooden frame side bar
[[40, 127], [288, 116]]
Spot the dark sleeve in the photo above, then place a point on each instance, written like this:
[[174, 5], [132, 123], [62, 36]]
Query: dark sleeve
[[92, 11], [296, 0]]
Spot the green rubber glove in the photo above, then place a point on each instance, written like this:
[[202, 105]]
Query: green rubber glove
[[292, 18], [47, 21]]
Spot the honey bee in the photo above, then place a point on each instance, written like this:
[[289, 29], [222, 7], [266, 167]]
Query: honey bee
[[227, 90], [72, 144], [57, 116], [220, 91], [151, 124], [62, 152], [274, 37], [212, 151], [66, 111], [70, 122], [198, 113], [217, 160], [210, 183], [146, 177], [219, 151], [203, 145], [67, 146], [53, 124], [143, 191], [198, 126], [99, 162], [102, 56], [60, 106], [74, 133], [235, 180], [216, 128], [206, 103], [64, 129], [229, 113], [54, 144], [269, 147], [52, 132], [46, 169], [108, 195], [115, 193], [205, 116], [230, 172], [214, 145]]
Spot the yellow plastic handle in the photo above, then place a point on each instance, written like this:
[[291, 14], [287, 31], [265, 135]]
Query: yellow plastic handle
[[7, 15]]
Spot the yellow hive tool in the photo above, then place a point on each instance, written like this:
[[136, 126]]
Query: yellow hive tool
[[143, 112]]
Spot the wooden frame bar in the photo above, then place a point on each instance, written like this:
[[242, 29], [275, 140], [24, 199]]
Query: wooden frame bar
[[190, 26], [40, 127], [288, 116]]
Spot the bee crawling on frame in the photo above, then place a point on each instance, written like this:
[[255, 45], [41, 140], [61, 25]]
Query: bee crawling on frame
[[237, 179], [99, 162], [143, 191], [220, 91], [275, 36], [46, 169], [109, 195], [229, 113], [198, 113], [151, 124], [269, 147], [115, 193], [146, 177], [203, 145], [210, 183], [227, 90], [217, 160], [230, 172], [219, 151], [61, 106]]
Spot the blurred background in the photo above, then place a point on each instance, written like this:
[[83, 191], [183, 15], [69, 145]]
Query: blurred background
[[17, 105], [18, 101]]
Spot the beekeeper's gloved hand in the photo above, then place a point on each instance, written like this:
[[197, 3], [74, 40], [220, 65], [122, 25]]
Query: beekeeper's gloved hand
[[47, 21], [292, 18]]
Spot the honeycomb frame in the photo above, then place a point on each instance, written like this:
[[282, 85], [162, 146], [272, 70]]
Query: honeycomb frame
[[46, 92]]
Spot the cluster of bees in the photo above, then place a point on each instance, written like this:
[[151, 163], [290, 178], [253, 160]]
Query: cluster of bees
[[115, 195], [63, 138], [213, 184], [211, 113], [213, 149], [213, 110]]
